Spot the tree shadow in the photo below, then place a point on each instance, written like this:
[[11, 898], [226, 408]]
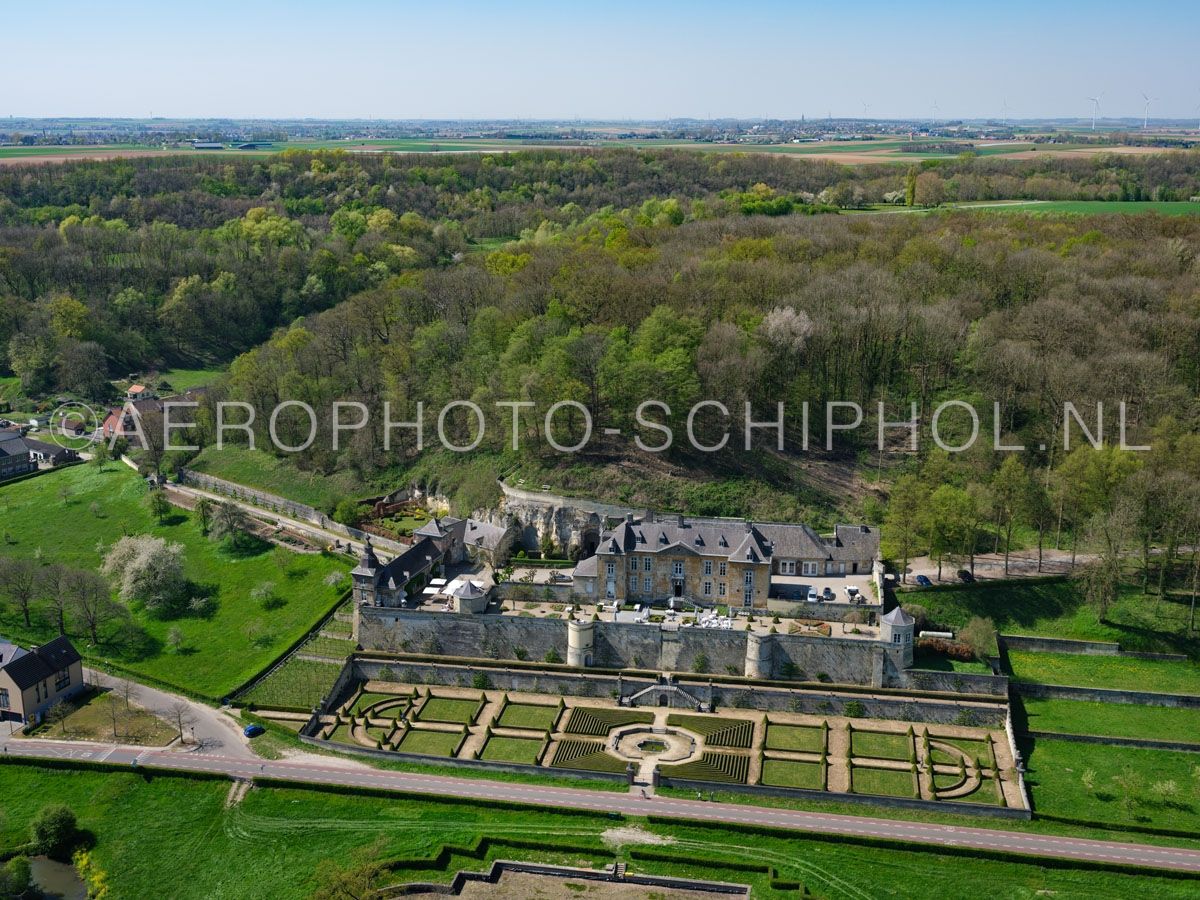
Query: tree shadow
[[245, 546], [173, 521]]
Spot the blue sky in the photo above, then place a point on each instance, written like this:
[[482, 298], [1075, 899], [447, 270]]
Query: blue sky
[[613, 59]]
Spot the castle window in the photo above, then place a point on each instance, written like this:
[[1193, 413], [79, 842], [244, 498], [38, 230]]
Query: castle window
[[708, 589], [787, 567], [809, 568], [610, 568], [895, 638], [646, 585], [721, 569], [677, 568], [633, 582], [708, 567], [749, 578], [720, 589], [748, 596], [647, 564]]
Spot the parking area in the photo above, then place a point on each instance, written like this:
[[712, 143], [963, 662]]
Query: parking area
[[795, 588]]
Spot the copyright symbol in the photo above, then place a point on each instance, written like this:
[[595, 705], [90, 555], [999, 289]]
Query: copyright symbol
[[74, 420]]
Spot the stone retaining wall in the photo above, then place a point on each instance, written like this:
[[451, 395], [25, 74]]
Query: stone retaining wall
[[1085, 648], [1105, 695], [1116, 741]]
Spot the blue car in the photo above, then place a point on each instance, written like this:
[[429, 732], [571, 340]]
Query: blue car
[[923, 581], [253, 731]]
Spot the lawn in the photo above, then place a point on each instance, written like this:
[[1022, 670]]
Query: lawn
[[510, 749], [448, 709], [430, 743], [220, 649], [800, 738], [889, 782], [880, 745], [1097, 207], [259, 469], [182, 380], [1057, 772], [793, 774], [1116, 672], [1054, 608], [528, 715], [298, 684], [174, 837], [370, 698], [1159, 723], [94, 716]]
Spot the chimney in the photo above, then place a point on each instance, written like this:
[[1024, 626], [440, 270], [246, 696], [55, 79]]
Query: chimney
[[629, 518], [749, 526], [679, 520]]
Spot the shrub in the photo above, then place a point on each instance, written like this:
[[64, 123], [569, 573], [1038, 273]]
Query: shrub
[[854, 710], [54, 832]]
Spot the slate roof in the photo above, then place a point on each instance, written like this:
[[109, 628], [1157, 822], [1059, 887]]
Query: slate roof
[[41, 663], [898, 617]]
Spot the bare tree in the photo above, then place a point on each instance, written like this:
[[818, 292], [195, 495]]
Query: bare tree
[[181, 716], [90, 601], [18, 581], [59, 714]]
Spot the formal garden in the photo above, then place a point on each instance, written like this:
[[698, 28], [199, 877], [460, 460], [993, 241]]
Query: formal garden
[[585, 736]]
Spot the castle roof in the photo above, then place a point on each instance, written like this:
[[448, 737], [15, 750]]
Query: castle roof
[[898, 617]]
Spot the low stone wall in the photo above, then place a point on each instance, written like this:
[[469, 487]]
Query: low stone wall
[[1085, 648], [942, 806], [1141, 743], [826, 612], [518, 592], [1105, 695], [455, 763]]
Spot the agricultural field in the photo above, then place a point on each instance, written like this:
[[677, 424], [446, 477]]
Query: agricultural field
[[1115, 672], [1112, 719], [278, 837], [220, 649]]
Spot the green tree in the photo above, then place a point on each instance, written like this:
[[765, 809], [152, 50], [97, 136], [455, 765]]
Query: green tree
[[1010, 489], [902, 522], [54, 832], [160, 506]]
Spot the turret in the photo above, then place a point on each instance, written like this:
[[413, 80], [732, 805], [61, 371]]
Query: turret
[[896, 629]]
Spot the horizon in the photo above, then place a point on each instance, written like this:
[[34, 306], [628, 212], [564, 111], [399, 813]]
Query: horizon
[[670, 61]]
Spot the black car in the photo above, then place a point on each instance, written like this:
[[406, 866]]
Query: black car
[[965, 576]]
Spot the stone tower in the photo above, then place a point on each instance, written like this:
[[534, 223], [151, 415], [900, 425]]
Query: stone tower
[[896, 629]]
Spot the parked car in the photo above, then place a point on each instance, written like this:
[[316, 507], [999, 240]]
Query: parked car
[[965, 576], [828, 595], [813, 596], [852, 593], [253, 731], [923, 581]]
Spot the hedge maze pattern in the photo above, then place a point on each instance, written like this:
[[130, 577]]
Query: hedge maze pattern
[[727, 768], [597, 722], [716, 731], [587, 755]]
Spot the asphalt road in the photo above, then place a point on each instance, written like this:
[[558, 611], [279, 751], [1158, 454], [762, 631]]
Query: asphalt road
[[629, 804]]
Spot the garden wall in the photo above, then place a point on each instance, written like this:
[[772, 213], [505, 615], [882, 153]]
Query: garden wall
[[1085, 648], [1105, 695], [955, 682]]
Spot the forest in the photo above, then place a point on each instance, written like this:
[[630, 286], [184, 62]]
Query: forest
[[610, 277]]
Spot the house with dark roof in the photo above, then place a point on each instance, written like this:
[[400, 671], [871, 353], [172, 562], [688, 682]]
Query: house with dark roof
[[14, 456], [711, 561], [31, 681]]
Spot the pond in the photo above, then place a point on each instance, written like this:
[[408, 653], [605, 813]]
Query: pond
[[57, 879]]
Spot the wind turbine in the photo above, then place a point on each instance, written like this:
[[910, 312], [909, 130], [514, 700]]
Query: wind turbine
[[935, 110], [1146, 110], [1004, 112], [866, 106], [1095, 108]]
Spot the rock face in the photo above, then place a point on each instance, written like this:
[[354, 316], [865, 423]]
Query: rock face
[[572, 523]]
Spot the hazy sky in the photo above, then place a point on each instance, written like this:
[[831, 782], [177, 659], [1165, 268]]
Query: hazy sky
[[611, 59]]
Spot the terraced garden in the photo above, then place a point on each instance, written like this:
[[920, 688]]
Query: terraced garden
[[586, 755], [722, 768], [717, 731], [598, 721]]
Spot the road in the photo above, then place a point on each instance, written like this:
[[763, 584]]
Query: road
[[628, 804], [211, 730]]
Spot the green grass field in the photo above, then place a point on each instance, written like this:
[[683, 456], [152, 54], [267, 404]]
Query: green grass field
[[450, 710], [430, 743], [878, 745], [175, 837], [1119, 673], [1054, 608], [1057, 771], [1092, 207], [792, 773], [510, 749], [801, 738], [259, 469], [1112, 719], [219, 651], [182, 380], [889, 782], [368, 699], [528, 715]]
